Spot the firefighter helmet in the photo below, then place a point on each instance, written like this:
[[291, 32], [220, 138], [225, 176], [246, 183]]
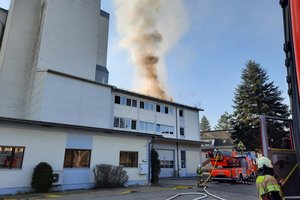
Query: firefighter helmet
[[264, 161]]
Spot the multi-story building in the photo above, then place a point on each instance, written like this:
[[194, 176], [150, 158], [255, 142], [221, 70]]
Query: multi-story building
[[56, 105]]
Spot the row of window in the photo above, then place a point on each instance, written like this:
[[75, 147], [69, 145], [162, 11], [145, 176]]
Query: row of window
[[148, 127], [124, 123], [122, 100], [12, 157]]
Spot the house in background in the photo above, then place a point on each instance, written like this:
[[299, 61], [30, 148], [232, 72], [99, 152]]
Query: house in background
[[56, 105], [217, 139]]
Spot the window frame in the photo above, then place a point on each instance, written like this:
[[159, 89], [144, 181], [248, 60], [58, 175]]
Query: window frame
[[117, 99], [72, 158], [181, 131], [12, 156], [131, 163], [181, 113]]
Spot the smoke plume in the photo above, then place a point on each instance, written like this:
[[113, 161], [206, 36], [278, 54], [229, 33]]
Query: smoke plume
[[149, 28]]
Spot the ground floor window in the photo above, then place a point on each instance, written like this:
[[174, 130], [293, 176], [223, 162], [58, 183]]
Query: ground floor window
[[166, 164], [128, 159], [11, 156], [77, 158]]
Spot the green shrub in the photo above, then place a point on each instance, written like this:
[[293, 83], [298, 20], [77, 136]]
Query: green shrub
[[42, 177], [155, 166], [109, 176]]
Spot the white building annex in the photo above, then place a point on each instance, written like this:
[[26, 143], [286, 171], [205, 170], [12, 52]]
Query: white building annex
[[56, 105]]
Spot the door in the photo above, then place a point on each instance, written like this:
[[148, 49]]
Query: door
[[167, 162]]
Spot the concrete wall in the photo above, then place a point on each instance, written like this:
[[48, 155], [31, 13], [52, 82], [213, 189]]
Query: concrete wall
[[40, 146], [190, 120], [102, 143], [16, 55], [48, 144], [70, 37], [72, 101]]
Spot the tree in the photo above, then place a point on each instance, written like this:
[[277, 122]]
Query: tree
[[155, 166], [256, 96], [204, 124], [224, 123]]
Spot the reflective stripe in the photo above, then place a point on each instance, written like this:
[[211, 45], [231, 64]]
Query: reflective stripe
[[273, 187]]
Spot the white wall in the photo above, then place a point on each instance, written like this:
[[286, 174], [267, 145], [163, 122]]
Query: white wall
[[70, 37], [35, 97], [191, 125], [107, 151], [40, 146], [16, 55], [72, 101]]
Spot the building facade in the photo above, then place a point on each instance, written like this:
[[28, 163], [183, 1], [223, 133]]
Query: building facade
[[56, 105]]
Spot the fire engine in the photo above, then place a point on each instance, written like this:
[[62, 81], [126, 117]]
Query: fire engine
[[232, 166]]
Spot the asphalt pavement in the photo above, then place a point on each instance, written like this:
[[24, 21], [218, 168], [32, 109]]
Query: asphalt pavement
[[166, 189]]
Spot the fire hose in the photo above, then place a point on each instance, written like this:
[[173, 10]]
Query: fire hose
[[203, 195]]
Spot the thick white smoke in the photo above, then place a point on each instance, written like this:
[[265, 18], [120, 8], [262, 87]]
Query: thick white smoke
[[149, 28]]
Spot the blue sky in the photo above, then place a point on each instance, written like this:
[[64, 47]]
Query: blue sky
[[204, 67]]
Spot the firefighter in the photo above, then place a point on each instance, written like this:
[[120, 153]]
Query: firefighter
[[266, 184], [200, 174]]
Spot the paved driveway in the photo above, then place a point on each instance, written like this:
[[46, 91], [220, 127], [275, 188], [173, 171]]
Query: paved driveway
[[166, 189]]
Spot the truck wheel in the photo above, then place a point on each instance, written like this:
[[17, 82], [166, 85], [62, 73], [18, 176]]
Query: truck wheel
[[241, 177]]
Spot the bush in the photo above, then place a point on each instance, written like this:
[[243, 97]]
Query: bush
[[42, 177], [109, 176], [155, 166]]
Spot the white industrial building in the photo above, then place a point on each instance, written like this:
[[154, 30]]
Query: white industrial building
[[56, 105]]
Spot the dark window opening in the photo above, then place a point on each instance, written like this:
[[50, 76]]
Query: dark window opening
[[11, 157], [77, 158], [128, 159], [142, 104], [117, 99], [181, 130], [157, 108], [181, 113]]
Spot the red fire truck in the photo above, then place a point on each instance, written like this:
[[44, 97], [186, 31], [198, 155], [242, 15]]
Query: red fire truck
[[228, 166]]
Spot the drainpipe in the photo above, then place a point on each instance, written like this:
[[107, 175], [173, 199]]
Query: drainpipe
[[177, 174]]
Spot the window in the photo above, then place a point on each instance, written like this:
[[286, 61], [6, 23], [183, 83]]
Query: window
[[133, 124], [134, 103], [164, 129], [116, 122], [77, 158], [181, 130], [11, 157], [124, 123], [166, 164], [123, 100], [166, 110], [157, 108], [183, 159], [117, 99], [146, 127], [128, 159], [128, 102], [171, 110], [141, 104], [181, 113]]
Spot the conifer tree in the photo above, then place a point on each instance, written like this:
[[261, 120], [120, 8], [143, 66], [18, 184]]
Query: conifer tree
[[255, 96], [204, 124], [224, 123]]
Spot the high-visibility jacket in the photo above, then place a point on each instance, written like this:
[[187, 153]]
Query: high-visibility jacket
[[199, 171], [266, 184]]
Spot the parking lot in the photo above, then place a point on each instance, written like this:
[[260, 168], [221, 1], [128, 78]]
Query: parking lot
[[166, 189]]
